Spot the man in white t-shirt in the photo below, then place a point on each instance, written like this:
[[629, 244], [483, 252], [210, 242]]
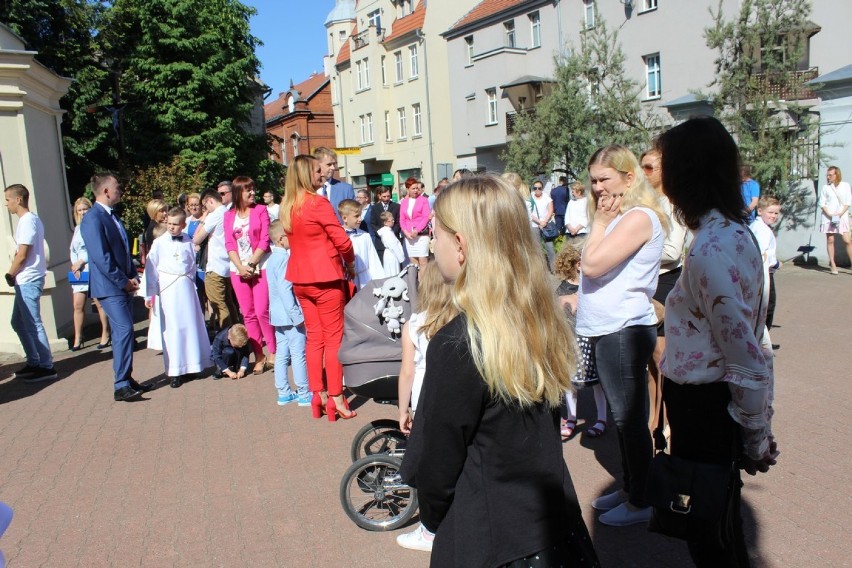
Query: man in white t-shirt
[[26, 275], [217, 278]]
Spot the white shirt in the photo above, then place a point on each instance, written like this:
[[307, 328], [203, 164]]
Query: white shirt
[[834, 198], [30, 231], [217, 256], [766, 241], [577, 214], [538, 209], [273, 211], [622, 297]]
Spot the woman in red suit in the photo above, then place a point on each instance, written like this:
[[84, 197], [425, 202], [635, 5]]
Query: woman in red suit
[[247, 242], [317, 243], [414, 222]]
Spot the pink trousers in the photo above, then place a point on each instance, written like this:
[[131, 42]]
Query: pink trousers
[[253, 299]]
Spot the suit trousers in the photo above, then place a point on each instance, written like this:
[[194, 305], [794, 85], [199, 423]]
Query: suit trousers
[[322, 305], [253, 298], [119, 311], [220, 294]]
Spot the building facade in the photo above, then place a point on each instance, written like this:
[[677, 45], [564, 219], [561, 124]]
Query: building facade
[[390, 91], [300, 119]]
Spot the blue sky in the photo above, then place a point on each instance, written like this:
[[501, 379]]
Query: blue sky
[[293, 36]]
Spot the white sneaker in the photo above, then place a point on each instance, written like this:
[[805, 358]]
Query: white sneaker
[[622, 516], [418, 539], [609, 501]]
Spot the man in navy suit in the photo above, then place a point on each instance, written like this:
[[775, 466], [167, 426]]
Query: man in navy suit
[[383, 204], [112, 278], [333, 189]]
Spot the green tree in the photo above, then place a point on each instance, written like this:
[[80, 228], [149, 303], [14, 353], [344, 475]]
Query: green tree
[[593, 103], [761, 68]]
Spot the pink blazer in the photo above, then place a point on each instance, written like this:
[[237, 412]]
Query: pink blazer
[[419, 215], [258, 229]]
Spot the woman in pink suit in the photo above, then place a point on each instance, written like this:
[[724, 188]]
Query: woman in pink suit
[[247, 243], [414, 214], [319, 250]]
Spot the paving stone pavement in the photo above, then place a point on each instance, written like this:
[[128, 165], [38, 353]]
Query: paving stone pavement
[[216, 474]]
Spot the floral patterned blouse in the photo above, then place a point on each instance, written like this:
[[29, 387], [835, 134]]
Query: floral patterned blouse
[[711, 317]]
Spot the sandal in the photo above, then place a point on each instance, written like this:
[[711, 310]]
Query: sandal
[[567, 428], [596, 431]]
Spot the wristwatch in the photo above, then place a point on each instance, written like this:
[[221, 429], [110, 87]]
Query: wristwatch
[[253, 265]]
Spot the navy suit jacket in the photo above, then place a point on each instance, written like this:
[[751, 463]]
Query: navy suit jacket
[[339, 191], [110, 264]]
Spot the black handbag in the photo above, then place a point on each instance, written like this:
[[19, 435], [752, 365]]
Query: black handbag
[[690, 498], [550, 230]]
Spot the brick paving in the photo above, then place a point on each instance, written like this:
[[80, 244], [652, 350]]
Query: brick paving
[[216, 474]]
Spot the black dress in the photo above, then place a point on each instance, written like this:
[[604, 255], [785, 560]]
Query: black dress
[[491, 478]]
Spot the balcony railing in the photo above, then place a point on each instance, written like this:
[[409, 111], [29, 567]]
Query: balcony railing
[[512, 116], [790, 88], [361, 40]]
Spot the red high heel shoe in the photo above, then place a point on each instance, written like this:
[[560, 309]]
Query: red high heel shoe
[[333, 411], [317, 406]]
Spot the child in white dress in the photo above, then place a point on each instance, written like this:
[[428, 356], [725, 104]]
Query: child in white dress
[[393, 255]]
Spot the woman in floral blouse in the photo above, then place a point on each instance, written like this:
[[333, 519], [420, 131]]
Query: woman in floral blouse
[[718, 361]]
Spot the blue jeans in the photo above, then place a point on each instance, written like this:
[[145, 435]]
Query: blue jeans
[[622, 360], [290, 348], [119, 311], [26, 321]]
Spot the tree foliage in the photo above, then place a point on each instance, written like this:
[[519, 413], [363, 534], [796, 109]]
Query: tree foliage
[[758, 89], [593, 103], [154, 79]]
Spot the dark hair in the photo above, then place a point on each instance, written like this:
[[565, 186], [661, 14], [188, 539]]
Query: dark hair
[[241, 183], [212, 194], [99, 180], [700, 171], [463, 172]]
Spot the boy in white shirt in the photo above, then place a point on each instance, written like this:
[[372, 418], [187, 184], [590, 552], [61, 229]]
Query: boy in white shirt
[[393, 255], [26, 276], [368, 266], [768, 210]]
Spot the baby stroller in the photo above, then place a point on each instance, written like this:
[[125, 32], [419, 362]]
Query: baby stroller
[[371, 491]]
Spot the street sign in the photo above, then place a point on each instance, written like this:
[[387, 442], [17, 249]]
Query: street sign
[[351, 151]]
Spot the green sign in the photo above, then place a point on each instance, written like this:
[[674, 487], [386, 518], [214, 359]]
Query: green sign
[[388, 179]]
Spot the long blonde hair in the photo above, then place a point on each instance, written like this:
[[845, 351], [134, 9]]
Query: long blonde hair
[[518, 335], [81, 201], [298, 185], [640, 194], [516, 181], [434, 300]]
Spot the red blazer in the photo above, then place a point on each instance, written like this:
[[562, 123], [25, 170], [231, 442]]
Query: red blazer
[[258, 229], [419, 215], [317, 243]]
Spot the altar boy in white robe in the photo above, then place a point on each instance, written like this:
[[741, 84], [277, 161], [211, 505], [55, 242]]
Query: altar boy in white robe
[[368, 265], [170, 275]]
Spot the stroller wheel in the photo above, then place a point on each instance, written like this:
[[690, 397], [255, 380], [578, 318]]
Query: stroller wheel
[[374, 496], [378, 437]]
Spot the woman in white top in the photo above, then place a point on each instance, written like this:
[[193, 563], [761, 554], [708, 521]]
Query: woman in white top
[[79, 263], [718, 363], [541, 209], [834, 203], [577, 215], [621, 262]]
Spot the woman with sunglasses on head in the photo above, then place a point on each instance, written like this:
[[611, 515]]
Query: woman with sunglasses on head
[[621, 261], [247, 242]]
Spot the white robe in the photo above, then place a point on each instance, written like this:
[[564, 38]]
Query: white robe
[[170, 274], [368, 266], [393, 255], [155, 334]]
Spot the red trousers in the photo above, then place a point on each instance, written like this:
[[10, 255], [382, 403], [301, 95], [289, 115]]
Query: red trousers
[[322, 305]]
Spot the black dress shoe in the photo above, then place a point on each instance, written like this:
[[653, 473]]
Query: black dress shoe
[[175, 382], [126, 393], [140, 388]]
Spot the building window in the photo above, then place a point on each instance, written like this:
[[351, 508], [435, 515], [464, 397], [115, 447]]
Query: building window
[[510, 33], [404, 8], [370, 128], [469, 46], [363, 123], [400, 114], [491, 97], [589, 11], [384, 72], [649, 5], [397, 60], [387, 126], [362, 74], [418, 126], [375, 18], [366, 122], [415, 66], [652, 72], [535, 29], [342, 35]]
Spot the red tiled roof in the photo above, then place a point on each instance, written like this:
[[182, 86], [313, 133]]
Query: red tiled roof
[[306, 88], [345, 50], [409, 23], [275, 108], [484, 9]]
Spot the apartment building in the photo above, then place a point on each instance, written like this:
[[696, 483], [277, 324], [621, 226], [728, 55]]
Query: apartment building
[[390, 90]]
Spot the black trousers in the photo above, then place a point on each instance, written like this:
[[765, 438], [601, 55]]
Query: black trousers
[[703, 431], [770, 308]]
